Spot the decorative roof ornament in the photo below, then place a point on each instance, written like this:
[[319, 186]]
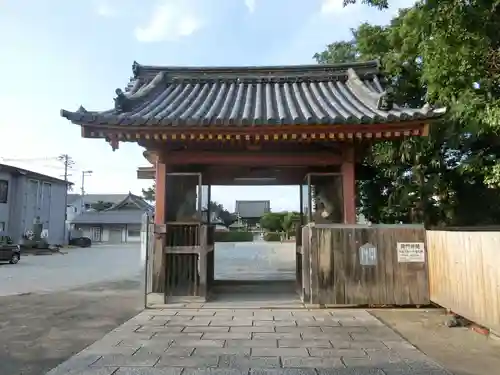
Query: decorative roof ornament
[[136, 68], [82, 109], [122, 102], [386, 100]]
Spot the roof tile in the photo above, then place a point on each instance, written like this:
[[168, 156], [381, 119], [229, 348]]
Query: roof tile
[[252, 96]]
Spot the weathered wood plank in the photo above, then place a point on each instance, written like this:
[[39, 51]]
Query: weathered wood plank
[[359, 265]]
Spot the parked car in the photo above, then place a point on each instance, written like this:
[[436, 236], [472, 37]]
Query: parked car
[[9, 252], [81, 242]]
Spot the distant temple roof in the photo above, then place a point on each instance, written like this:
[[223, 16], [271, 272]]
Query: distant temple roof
[[248, 96]]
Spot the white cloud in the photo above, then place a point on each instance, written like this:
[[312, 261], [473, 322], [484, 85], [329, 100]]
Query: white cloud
[[104, 9], [250, 4], [170, 20]]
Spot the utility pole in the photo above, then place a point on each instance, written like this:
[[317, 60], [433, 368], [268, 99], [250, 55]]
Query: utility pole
[[68, 164], [84, 173]]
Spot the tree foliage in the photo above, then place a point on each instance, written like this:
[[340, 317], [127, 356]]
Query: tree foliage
[[279, 221], [445, 53], [101, 206], [149, 193]]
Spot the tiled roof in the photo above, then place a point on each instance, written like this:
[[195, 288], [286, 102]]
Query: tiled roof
[[94, 198], [239, 96], [24, 172], [109, 217], [135, 200]]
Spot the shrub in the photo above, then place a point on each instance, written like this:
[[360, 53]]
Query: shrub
[[233, 237], [273, 237]]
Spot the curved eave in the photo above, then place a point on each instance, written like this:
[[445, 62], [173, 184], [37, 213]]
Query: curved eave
[[204, 97], [103, 121]]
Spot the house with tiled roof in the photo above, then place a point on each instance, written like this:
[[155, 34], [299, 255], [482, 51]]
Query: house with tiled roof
[[120, 223]]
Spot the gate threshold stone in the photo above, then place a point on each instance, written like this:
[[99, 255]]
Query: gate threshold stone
[[253, 341]]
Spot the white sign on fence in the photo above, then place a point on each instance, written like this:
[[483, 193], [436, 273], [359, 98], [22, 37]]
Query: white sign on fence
[[368, 255], [411, 252]]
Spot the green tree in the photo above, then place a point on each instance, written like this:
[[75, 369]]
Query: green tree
[[431, 179], [149, 193], [101, 206], [272, 221]]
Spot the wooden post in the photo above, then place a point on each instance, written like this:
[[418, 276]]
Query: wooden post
[[349, 186], [160, 220]]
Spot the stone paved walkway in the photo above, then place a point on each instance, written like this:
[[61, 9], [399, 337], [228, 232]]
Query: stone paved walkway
[[229, 341]]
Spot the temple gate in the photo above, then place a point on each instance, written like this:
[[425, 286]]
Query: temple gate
[[204, 126]]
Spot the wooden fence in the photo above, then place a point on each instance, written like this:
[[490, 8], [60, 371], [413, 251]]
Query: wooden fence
[[464, 274], [364, 265]]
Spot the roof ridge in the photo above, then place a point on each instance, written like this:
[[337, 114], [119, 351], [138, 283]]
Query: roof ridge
[[371, 66]]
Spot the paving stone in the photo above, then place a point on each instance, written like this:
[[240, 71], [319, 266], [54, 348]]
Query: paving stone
[[167, 312], [374, 362], [398, 344], [271, 323], [400, 371], [252, 343], [89, 371], [320, 352], [315, 323], [193, 343], [228, 335], [232, 323], [192, 361], [154, 329], [304, 343], [262, 329], [118, 360], [79, 365], [205, 329], [99, 350], [173, 336], [180, 351], [311, 362], [352, 371], [190, 323], [325, 336], [195, 313], [277, 336], [425, 364], [239, 362], [366, 345], [279, 352], [344, 330], [214, 371], [242, 351], [180, 318], [282, 371], [308, 330], [149, 371], [364, 337], [146, 343]]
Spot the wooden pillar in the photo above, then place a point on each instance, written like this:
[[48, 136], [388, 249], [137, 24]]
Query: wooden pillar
[[349, 185], [160, 221]]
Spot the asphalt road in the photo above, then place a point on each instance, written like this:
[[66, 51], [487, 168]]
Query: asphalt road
[[79, 267]]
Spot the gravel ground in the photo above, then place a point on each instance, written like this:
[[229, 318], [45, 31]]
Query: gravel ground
[[39, 331]]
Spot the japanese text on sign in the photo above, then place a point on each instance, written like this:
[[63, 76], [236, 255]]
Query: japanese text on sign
[[368, 255], [411, 252]]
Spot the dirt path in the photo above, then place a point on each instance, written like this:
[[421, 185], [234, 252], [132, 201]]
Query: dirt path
[[460, 350], [37, 332]]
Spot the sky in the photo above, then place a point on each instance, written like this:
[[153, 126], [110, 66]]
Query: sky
[[62, 54]]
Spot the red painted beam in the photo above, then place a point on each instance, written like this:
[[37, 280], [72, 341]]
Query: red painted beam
[[253, 159]]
